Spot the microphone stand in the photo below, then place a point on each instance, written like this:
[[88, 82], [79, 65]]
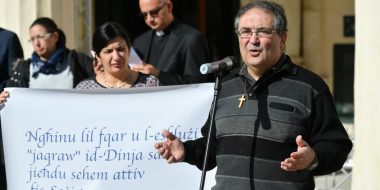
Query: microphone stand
[[217, 88]]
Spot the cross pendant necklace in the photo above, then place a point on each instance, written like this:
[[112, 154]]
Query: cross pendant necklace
[[242, 100], [245, 95]]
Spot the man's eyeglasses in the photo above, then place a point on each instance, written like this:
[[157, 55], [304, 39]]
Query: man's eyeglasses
[[40, 37], [260, 32], [153, 13]]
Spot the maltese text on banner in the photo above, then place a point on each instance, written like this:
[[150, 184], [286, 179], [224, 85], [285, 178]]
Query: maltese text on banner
[[101, 139]]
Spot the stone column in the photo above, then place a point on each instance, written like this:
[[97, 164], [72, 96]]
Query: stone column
[[293, 14], [366, 170], [17, 15], [75, 18]]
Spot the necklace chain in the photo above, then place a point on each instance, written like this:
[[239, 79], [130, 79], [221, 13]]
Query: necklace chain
[[122, 85], [244, 96]]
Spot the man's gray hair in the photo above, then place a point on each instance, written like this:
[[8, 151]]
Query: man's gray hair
[[280, 23]]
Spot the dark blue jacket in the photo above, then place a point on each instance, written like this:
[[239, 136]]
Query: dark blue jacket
[[10, 50]]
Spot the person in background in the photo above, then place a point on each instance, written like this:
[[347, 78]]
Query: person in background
[[111, 48], [10, 51], [171, 50], [276, 125], [52, 65]]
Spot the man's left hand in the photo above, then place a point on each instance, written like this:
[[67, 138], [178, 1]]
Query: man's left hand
[[301, 159]]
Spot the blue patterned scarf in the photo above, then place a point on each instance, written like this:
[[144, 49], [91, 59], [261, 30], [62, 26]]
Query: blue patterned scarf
[[52, 66]]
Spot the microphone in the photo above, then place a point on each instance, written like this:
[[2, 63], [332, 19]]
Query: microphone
[[225, 64]]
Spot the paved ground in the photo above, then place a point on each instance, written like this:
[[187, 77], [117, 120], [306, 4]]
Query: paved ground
[[339, 181]]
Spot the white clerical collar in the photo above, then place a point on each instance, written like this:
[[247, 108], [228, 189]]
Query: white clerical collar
[[160, 33]]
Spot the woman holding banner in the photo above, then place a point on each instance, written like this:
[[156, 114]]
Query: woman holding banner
[[51, 66], [111, 49]]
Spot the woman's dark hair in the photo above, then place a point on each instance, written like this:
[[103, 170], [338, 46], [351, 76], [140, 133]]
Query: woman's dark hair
[[51, 27], [105, 33]]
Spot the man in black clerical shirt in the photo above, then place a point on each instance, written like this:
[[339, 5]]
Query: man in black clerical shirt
[[171, 51]]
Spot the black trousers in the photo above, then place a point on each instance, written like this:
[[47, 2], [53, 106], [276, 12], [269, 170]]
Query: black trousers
[[3, 181]]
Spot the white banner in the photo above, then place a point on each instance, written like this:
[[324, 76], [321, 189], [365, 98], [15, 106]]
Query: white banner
[[101, 140]]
